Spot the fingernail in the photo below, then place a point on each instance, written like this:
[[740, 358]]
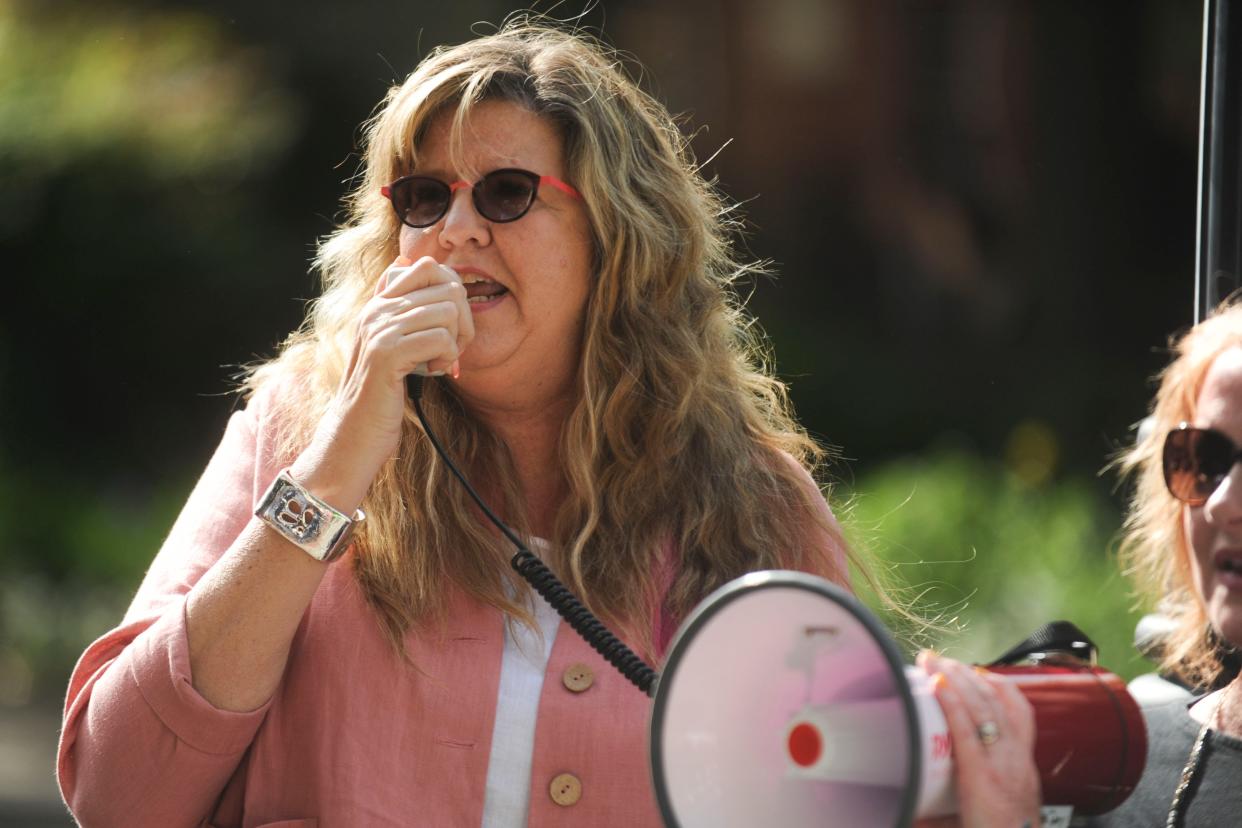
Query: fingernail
[[983, 671], [937, 681], [402, 261]]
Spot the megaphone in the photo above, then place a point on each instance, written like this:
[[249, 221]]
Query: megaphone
[[784, 701]]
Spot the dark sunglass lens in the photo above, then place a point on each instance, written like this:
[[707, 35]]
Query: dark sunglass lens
[[505, 195], [421, 201], [1180, 468], [1195, 462], [1213, 454]]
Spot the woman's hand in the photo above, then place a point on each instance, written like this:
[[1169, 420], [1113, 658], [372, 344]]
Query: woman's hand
[[997, 783], [242, 615], [418, 318]]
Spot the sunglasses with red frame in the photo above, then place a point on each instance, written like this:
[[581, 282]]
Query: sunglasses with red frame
[[500, 196]]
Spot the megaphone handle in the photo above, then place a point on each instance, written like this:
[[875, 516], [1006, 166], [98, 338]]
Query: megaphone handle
[[1055, 636]]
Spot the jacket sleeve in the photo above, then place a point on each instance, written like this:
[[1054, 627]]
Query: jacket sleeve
[[139, 746]]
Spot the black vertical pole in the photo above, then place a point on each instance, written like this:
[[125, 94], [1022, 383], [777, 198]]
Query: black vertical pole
[[1218, 257]]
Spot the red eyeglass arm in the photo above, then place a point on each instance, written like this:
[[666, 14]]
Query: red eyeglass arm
[[560, 185]]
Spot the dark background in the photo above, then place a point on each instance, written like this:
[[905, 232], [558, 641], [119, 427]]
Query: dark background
[[981, 214]]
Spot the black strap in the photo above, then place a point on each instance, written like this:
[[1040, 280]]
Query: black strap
[[1055, 636]]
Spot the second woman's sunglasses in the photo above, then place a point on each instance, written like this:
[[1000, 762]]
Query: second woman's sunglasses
[[1196, 460], [500, 196]]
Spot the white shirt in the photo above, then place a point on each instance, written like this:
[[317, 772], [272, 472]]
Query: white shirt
[[507, 796]]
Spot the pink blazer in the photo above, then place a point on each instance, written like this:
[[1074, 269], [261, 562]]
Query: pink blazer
[[352, 737]]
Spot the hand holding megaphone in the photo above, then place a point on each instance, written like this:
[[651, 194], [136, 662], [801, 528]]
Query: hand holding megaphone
[[783, 701], [992, 728]]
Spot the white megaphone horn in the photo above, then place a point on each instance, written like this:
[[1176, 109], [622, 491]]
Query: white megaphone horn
[[783, 701]]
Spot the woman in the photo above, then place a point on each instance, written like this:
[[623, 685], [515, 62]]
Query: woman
[[1184, 543], [531, 225]]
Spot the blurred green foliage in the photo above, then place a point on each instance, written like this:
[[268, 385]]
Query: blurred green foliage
[[75, 556], [990, 555], [166, 90]]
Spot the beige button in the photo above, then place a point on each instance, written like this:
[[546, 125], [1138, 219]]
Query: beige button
[[566, 789], [578, 677]]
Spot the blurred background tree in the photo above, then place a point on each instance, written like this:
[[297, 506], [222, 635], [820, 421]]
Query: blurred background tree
[[981, 211]]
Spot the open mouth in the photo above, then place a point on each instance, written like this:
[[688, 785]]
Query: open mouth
[[1228, 564], [480, 290]]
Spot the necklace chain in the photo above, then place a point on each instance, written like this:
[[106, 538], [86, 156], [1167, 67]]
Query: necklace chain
[[1194, 765]]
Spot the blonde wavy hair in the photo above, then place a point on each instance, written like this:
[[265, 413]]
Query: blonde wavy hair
[[678, 434], [1154, 548]]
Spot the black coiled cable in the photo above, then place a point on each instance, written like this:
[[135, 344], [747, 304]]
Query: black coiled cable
[[583, 621], [536, 573]]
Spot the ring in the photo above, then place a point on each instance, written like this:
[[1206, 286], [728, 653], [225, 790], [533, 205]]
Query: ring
[[988, 733]]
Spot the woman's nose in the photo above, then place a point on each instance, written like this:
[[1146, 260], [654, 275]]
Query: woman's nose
[[462, 223]]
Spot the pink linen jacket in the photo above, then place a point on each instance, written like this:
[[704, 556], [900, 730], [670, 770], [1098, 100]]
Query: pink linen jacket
[[352, 737]]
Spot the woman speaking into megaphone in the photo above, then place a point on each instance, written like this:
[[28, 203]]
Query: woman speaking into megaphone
[[1183, 544]]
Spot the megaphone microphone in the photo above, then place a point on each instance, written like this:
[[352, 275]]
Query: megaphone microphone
[[784, 701]]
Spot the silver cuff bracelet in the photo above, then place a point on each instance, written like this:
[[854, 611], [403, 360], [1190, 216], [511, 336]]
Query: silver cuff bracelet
[[305, 520]]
